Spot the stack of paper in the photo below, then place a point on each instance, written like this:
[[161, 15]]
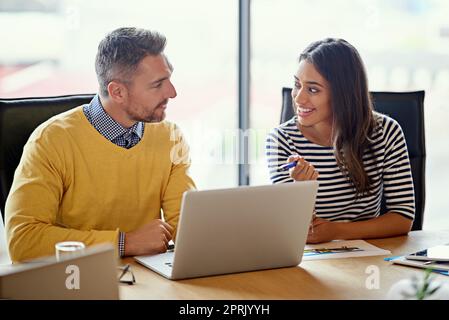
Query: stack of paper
[[342, 249], [436, 265]]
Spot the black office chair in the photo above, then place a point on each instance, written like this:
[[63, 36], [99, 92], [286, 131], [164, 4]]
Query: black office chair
[[18, 119], [407, 108]]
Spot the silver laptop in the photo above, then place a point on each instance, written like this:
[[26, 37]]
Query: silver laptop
[[238, 229], [91, 275]]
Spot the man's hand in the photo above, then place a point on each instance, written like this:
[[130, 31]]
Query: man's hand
[[150, 239], [303, 170]]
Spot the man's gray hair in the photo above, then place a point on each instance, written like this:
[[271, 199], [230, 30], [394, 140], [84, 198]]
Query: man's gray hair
[[121, 51]]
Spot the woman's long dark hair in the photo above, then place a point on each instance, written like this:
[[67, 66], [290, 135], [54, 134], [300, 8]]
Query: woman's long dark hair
[[353, 119]]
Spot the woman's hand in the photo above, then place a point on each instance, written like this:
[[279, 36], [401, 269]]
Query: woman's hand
[[303, 170], [321, 230]]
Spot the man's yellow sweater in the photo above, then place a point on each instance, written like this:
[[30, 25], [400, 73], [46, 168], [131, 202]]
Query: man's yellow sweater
[[74, 184]]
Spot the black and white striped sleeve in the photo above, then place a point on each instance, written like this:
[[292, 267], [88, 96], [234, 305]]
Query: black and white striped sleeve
[[397, 176], [277, 151]]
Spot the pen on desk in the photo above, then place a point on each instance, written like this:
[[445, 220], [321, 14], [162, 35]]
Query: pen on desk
[[392, 258], [124, 270], [287, 166], [443, 272]]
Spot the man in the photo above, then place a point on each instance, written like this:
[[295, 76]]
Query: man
[[102, 172]]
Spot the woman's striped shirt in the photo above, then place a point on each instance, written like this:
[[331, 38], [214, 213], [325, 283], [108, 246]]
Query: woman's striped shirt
[[387, 164]]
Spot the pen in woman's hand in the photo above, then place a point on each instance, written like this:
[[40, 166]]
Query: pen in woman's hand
[[287, 166], [312, 223]]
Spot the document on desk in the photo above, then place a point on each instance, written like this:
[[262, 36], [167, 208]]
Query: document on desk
[[435, 265], [341, 249]]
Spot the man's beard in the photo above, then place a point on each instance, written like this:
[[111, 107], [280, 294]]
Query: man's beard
[[154, 117]]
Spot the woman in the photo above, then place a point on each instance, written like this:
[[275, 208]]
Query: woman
[[356, 154]]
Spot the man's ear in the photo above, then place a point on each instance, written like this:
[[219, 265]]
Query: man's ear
[[117, 91]]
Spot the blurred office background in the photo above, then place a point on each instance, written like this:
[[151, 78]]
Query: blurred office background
[[48, 48]]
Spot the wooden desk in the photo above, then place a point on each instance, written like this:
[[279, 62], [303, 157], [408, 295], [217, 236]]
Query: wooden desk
[[325, 279]]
